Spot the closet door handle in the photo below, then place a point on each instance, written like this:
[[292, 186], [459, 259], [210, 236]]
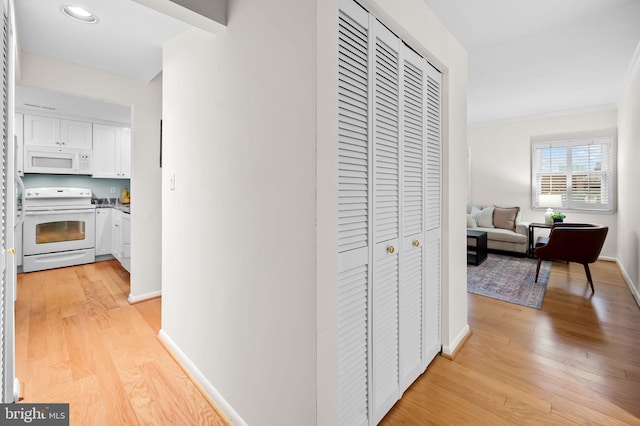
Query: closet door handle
[[416, 243], [390, 249]]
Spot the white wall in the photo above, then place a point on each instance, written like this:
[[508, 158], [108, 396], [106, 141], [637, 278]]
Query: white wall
[[500, 158], [628, 179], [239, 231], [145, 102]]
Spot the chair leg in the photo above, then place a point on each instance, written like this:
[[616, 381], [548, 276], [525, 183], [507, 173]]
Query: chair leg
[[538, 269], [588, 272]]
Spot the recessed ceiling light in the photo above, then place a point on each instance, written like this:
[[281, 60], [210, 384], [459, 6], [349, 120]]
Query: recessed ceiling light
[[80, 14]]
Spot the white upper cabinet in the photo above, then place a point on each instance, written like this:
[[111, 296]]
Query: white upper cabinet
[[49, 131], [111, 152]]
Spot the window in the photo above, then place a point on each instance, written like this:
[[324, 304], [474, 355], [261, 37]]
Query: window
[[581, 170]]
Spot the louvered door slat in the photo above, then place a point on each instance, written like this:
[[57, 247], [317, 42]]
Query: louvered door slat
[[352, 344], [411, 261], [6, 320], [433, 235], [434, 184], [385, 79], [353, 215]]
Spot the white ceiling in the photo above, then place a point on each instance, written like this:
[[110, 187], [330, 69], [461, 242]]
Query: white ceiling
[[525, 58], [126, 41], [544, 56]]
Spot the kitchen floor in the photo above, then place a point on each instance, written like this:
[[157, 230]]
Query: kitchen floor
[[79, 341]]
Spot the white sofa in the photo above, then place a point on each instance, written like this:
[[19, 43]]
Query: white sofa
[[505, 231]]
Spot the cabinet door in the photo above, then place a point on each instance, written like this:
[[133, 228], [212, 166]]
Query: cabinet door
[[126, 242], [116, 235], [106, 142], [75, 134], [125, 153], [103, 231], [41, 130]]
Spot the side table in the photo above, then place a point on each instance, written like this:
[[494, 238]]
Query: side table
[[532, 244], [476, 254]]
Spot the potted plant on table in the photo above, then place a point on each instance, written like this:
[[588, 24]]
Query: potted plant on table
[[558, 217]]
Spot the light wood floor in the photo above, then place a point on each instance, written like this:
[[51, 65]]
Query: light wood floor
[[79, 341], [575, 361]]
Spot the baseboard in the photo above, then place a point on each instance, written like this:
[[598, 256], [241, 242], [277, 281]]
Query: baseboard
[[450, 351], [217, 401], [142, 297], [632, 288]]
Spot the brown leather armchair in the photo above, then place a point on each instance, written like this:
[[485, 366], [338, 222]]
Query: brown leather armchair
[[572, 242]]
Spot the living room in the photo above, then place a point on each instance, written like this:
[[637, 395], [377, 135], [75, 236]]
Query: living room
[[531, 80]]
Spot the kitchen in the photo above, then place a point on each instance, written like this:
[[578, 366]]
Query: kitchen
[[73, 160]]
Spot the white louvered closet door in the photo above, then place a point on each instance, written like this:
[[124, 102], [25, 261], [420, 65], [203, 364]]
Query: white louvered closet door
[[353, 215], [386, 219], [411, 291], [389, 218], [433, 214]]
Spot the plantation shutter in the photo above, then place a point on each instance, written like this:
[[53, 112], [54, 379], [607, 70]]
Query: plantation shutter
[[411, 260], [433, 211], [580, 170], [353, 211]]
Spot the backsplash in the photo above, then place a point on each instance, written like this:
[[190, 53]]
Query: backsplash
[[101, 188]]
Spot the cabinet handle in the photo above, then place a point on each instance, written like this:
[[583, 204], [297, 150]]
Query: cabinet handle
[[12, 250], [390, 249], [416, 243]]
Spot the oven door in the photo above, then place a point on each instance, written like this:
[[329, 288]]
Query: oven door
[[51, 231]]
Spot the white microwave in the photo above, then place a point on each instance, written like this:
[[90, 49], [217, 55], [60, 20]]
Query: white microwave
[[68, 161]]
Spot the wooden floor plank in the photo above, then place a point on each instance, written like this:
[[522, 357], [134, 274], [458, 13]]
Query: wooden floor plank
[[574, 361], [80, 341]]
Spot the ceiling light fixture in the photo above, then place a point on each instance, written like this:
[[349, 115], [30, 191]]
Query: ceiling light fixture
[[79, 14]]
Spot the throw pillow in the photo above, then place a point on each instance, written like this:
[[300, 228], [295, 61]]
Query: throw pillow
[[471, 221], [505, 217], [485, 217]]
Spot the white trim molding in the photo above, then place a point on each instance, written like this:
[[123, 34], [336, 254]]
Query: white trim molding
[[201, 380], [451, 348], [142, 297], [632, 288]]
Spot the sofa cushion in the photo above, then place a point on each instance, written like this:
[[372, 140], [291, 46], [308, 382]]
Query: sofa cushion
[[484, 218], [504, 235], [505, 217]]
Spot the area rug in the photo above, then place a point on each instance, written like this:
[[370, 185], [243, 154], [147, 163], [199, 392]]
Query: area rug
[[510, 279]]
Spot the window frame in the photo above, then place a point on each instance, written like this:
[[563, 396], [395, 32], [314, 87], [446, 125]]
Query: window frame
[[568, 141]]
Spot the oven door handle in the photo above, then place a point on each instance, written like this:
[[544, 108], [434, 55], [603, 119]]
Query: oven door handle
[[54, 212]]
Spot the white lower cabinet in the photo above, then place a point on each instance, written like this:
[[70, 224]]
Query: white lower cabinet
[[103, 231], [121, 238], [113, 235]]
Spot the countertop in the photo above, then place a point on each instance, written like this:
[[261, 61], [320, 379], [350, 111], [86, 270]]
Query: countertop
[[125, 208]]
